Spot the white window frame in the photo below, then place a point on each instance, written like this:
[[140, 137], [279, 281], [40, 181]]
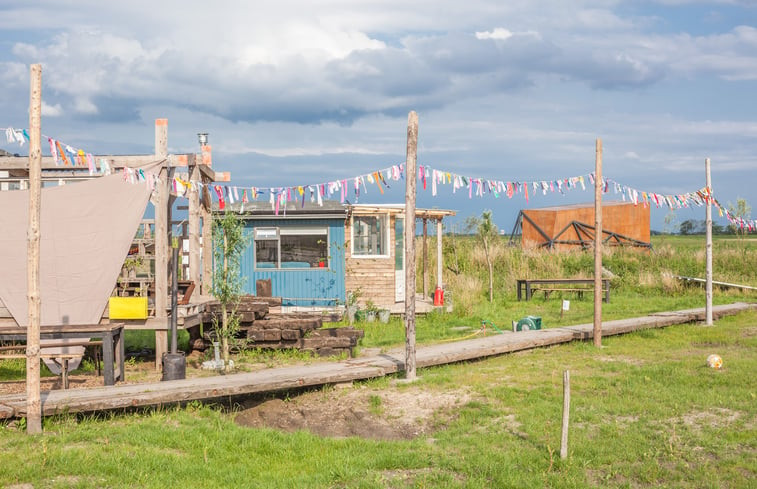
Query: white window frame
[[385, 216], [272, 233]]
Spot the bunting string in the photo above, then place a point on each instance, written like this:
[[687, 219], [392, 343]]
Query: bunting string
[[429, 178]]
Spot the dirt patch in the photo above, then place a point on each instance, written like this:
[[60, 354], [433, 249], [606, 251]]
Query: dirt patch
[[713, 418], [386, 414], [622, 359]]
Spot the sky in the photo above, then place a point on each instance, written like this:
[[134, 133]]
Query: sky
[[303, 92]]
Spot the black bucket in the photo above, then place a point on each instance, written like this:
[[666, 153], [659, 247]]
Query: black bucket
[[174, 366]]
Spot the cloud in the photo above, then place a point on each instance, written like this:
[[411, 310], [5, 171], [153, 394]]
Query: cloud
[[499, 33], [51, 110]]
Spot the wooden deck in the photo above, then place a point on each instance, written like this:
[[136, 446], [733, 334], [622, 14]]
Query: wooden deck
[[157, 393]]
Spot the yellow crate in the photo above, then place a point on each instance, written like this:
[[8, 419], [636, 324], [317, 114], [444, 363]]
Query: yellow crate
[[127, 308]]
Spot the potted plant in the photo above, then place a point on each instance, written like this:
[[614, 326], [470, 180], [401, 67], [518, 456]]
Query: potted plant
[[370, 311], [383, 315], [351, 306]]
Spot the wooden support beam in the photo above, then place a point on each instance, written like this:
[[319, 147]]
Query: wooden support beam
[[11, 163], [439, 258], [162, 219], [194, 223], [425, 257], [34, 405], [207, 243]]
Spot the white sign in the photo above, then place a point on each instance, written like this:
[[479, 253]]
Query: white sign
[[565, 305]]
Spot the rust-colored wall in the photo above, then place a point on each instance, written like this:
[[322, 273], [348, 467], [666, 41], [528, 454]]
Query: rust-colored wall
[[619, 217]]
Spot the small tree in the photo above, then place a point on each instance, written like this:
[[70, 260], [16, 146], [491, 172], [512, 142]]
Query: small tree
[[742, 210], [229, 242], [486, 231]]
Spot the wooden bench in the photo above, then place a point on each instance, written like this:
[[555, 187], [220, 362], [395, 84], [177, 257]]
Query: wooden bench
[[578, 285], [61, 359]]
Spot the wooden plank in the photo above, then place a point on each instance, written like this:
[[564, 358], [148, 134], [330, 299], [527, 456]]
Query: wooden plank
[[132, 395]]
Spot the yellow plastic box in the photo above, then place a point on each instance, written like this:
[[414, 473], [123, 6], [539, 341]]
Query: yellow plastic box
[[127, 308]]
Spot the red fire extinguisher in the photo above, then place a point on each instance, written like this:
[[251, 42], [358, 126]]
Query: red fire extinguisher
[[438, 296]]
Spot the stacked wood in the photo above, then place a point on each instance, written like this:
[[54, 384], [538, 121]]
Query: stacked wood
[[261, 328]]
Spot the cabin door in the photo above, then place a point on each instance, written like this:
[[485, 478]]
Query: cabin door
[[399, 259]]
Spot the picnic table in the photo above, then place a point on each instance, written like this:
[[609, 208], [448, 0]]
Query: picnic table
[[579, 285], [111, 335]]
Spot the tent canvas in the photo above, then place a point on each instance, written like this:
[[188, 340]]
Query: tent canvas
[[86, 229]]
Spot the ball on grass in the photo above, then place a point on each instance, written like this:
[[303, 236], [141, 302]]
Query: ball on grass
[[714, 361]]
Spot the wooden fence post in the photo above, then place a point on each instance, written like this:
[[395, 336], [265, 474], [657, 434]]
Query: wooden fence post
[[708, 271], [598, 184], [565, 414], [410, 183], [33, 403]]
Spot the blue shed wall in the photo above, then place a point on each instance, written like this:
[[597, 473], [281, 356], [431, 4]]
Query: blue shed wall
[[300, 287]]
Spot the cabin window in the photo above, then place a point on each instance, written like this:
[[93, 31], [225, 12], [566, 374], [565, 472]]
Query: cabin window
[[369, 236], [291, 248]]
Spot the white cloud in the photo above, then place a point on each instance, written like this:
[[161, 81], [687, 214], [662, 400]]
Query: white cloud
[[51, 110], [499, 33]]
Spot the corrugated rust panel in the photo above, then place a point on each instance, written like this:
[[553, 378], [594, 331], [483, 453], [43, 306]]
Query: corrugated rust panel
[[619, 217]]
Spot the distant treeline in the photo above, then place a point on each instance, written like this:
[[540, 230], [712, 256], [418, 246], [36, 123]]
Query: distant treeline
[[699, 226]]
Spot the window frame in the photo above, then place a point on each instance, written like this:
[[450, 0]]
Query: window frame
[[289, 231], [385, 217]]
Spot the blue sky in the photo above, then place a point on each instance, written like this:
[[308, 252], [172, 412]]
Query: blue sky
[[297, 92]]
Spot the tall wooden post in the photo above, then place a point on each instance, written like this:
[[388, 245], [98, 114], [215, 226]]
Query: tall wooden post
[[425, 257], [410, 179], [162, 227], [708, 271], [598, 246], [565, 414], [33, 404], [207, 244], [439, 253], [194, 222]]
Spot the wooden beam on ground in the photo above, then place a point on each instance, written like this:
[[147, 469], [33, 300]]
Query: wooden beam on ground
[[34, 304], [276, 379], [162, 219]]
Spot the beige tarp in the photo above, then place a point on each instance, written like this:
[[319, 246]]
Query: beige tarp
[[86, 229]]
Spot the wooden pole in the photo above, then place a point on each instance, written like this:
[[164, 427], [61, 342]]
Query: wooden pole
[[194, 223], [162, 229], [410, 179], [598, 184], [33, 404], [425, 257], [439, 259], [565, 414], [708, 272]]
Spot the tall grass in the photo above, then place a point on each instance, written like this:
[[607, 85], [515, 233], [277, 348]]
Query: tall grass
[[632, 270]]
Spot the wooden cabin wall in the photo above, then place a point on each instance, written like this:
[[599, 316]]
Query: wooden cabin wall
[[374, 277]]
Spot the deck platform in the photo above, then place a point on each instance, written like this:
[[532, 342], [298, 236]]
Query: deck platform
[[277, 379]]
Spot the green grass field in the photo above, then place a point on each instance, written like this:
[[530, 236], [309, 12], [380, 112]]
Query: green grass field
[[646, 411]]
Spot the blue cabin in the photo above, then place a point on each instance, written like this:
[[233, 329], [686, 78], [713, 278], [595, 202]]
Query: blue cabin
[[315, 256], [300, 250]]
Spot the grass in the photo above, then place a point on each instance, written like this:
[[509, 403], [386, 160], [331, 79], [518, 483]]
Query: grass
[[645, 411]]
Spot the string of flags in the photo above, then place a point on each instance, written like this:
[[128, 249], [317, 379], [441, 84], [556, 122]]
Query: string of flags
[[354, 187]]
